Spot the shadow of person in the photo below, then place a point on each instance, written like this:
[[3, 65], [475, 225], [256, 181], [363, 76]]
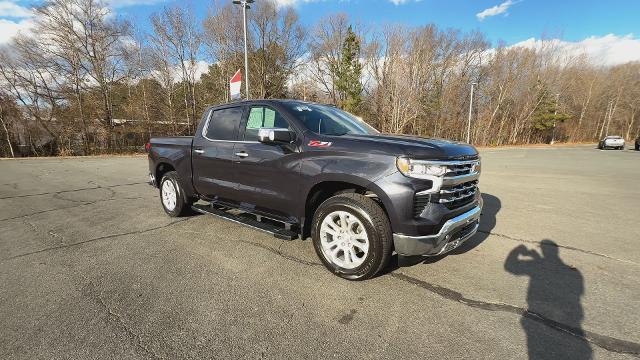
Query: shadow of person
[[555, 289]]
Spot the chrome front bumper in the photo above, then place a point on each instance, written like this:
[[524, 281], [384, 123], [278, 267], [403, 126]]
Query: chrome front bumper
[[453, 233], [152, 180]]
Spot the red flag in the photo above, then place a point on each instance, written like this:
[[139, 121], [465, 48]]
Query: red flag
[[235, 85]]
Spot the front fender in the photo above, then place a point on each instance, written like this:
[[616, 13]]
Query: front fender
[[360, 169]]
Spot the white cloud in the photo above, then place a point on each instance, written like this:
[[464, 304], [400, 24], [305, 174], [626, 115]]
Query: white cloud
[[604, 50], [13, 10], [496, 10], [9, 29], [15, 18], [200, 67]]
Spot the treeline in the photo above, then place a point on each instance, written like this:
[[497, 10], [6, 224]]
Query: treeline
[[85, 81]]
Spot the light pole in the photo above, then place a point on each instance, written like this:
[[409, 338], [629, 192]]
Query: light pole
[[470, 111], [245, 6], [555, 113]]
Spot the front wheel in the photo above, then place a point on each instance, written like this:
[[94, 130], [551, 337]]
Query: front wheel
[[352, 236], [173, 198]]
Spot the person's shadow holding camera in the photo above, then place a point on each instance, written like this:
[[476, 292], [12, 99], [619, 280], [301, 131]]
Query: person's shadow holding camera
[[554, 292]]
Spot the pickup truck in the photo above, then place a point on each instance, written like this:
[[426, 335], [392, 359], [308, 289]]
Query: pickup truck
[[295, 168]]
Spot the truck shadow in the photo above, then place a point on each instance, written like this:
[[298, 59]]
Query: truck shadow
[[490, 209]]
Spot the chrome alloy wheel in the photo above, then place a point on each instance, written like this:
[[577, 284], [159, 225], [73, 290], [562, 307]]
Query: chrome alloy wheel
[[344, 240], [169, 195]]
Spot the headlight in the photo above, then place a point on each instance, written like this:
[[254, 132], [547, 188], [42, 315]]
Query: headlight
[[420, 169]]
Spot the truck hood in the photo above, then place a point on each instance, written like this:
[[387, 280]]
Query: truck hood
[[421, 148]]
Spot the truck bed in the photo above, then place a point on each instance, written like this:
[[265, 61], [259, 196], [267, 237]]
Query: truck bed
[[177, 141], [174, 150]]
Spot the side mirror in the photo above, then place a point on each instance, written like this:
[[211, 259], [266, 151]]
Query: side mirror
[[275, 136]]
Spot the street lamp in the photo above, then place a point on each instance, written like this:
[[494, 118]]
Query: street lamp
[[245, 6], [470, 110], [555, 114]]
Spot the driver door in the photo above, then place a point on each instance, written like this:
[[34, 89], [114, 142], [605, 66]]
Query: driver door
[[267, 175]]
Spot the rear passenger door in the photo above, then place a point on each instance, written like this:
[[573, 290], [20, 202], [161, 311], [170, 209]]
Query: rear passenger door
[[213, 154], [268, 176]]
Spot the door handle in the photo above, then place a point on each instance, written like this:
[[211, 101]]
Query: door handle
[[242, 154], [198, 151]]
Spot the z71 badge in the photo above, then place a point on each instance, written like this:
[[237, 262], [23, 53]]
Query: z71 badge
[[316, 143]]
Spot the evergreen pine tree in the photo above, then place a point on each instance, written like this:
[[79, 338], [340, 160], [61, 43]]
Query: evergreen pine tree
[[348, 73], [547, 114]]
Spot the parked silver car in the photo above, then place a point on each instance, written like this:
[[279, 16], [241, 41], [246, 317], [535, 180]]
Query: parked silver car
[[611, 142]]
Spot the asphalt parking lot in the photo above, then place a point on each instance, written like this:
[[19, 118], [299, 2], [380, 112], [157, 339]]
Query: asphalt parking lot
[[91, 267]]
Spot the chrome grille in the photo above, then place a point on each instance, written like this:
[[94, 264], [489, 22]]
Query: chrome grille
[[459, 169], [458, 195], [455, 189]]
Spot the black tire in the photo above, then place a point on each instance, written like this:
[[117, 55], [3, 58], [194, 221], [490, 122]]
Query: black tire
[[637, 147], [182, 202], [375, 223]]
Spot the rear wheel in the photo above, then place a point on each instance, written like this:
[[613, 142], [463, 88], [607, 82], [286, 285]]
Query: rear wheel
[[172, 196], [352, 236]]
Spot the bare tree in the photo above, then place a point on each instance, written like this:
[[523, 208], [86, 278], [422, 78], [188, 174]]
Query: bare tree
[[80, 67], [4, 120], [177, 28]]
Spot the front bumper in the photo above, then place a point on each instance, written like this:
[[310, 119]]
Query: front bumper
[[152, 180], [453, 233]]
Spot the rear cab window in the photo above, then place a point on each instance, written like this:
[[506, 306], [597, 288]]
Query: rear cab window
[[224, 123], [262, 117]]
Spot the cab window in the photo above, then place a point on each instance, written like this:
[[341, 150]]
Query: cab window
[[224, 123], [262, 117]]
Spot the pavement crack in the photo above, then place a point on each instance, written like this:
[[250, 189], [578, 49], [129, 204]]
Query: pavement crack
[[70, 191], [281, 254], [111, 236], [79, 204], [605, 342], [539, 243], [118, 319]]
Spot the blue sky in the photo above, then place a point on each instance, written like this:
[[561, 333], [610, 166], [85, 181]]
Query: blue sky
[[606, 23], [574, 20], [571, 20]]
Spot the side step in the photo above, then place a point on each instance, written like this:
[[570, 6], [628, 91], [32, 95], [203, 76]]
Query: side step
[[244, 219]]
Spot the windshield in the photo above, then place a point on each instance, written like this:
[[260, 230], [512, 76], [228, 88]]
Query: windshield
[[329, 120]]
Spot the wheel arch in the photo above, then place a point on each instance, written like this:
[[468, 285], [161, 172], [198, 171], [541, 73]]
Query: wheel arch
[[163, 166], [326, 188]]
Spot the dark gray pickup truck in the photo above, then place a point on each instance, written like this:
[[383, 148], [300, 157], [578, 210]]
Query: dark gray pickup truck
[[295, 168]]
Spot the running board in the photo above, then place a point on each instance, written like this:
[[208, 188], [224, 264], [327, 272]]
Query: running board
[[278, 232]]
